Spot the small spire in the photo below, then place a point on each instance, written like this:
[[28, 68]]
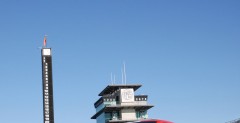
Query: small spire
[[45, 41]]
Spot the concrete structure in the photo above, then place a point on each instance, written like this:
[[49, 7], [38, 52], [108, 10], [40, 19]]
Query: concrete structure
[[119, 104]]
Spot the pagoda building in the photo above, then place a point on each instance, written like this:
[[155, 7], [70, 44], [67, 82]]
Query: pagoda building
[[119, 104]]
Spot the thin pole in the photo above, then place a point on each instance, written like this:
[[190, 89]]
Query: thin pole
[[124, 70]]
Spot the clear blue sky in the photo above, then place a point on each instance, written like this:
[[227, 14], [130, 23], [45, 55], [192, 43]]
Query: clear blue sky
[[186, 54]]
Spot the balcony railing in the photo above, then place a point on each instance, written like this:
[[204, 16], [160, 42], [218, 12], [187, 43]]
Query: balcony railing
[[125, 119], [130, 103]]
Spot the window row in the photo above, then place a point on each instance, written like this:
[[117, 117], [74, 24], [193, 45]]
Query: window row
[[141, 99]]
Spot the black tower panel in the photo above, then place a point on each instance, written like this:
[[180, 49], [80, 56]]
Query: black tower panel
[[48, 110]]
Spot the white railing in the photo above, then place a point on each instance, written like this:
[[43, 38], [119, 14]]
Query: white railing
[[130, 119], [130, 103]]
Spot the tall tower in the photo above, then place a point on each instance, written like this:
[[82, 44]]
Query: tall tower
[[47, 84], [118, 104]]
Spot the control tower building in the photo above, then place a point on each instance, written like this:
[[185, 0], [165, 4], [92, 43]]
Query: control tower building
[[119, 104]]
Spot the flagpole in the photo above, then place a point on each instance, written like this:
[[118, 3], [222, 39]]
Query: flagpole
[[45, 41]]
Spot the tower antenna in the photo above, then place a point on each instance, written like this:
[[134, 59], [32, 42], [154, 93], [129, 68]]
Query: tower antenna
[[114, 79], [111, 79], [124, 71], [122, 75]]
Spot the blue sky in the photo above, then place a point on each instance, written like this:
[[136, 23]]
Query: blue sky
[[184, 53]]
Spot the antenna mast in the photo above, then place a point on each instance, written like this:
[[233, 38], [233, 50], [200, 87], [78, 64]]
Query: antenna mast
[[114, 79], [111, 79], [124, 71], [122, 75]]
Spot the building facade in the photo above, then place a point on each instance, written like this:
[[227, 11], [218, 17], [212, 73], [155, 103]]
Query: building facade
[[119, 104]]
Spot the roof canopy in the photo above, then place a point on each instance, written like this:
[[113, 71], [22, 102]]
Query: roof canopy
[[112, 88]]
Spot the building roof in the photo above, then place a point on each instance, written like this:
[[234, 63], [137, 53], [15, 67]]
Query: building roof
[[110, 108], [112, 88]]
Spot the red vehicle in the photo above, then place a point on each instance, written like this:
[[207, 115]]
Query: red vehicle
[[154, 121]]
